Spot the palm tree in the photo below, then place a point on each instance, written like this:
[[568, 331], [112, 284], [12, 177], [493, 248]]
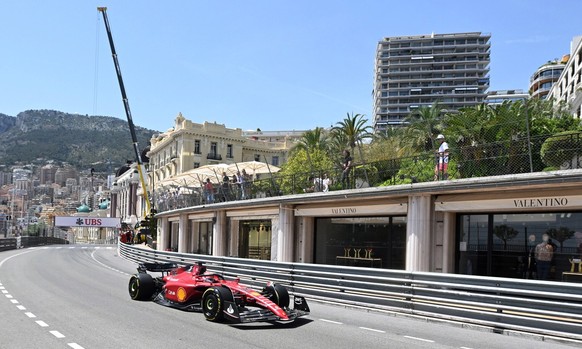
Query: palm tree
[[353, 130], [310, 141], [422, 126]]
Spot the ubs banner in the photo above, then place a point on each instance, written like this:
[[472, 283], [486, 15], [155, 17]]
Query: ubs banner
[[96, 222]]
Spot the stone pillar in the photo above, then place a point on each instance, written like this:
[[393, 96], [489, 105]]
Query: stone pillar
[[183, 232], [192, 242], [419, 247], [219, 243], [305, 239], [285, 234], [113, 205], [233, 238], [164, 235], [449, 242]]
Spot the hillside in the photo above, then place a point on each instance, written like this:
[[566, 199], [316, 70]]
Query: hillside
[[80, 140]]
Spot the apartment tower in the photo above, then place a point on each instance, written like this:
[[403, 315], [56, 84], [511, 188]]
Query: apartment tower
[[415, 71]]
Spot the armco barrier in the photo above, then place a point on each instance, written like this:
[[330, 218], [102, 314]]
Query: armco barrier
[[544, 308], [29, 241]]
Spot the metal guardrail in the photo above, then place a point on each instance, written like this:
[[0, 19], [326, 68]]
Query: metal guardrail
[[539, 307], [29, 241], [7, 244]]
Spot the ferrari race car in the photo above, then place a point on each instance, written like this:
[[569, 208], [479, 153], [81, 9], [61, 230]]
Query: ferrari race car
[[191, 288]]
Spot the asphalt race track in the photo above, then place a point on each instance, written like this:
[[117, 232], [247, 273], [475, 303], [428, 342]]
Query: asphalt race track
[[75, 296]]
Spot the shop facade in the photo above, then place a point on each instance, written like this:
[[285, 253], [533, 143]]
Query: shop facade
[[486, 226]]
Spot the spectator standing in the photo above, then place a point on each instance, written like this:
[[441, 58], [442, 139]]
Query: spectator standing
[[346, 167], [225, 187], [209, 191], [442, 159], [326, 182]]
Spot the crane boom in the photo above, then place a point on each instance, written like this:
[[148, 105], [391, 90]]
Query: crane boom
[[103, 10]]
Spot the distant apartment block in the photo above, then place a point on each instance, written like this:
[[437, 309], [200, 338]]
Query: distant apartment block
[[545, 76], [498, 97], [415, 71], [568, 87]]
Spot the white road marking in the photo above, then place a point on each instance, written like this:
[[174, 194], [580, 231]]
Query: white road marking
[[57, 334], [465, 348], [9, 296], [419, 339], [332, 322], [30, 315], [42, 323], [75, 346], [106, 266], [372, 329], [4, 291], [14, 301], [2, 287], [21, 307]]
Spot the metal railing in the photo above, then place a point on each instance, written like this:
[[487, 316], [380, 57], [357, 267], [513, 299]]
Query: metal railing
[[29, 241], [541, 153], [531, 306]]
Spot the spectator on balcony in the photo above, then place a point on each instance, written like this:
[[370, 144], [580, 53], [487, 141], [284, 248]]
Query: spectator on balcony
[[242, 184], [346, 168], [209, 191], [235, 187], [442, 159], [325, 182], [225, 187]]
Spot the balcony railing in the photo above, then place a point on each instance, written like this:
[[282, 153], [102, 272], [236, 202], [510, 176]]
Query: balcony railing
[[213, 156]]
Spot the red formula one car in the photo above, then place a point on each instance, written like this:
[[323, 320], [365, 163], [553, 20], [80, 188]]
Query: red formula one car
[[191, 288]]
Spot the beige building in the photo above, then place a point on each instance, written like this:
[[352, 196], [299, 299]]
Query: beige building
[[189, 145]]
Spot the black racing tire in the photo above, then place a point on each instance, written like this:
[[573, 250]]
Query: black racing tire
[[141, 287], [213, 302], [277, 294]]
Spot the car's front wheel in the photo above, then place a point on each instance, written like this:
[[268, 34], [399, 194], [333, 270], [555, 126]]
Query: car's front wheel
[[141, 287], [277, 294], [213, 301]]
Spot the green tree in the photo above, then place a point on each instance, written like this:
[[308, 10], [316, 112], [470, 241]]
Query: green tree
[[422, 127], [354, 131], [310, 141], [294, 177]]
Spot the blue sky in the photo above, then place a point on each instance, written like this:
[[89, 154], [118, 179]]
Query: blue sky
[[268, 64]]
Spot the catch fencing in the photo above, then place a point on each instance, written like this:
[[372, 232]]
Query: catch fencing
[[545, 308]]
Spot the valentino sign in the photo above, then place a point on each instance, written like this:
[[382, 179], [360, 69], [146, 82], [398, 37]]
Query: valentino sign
[[95, 222], [556, 202]]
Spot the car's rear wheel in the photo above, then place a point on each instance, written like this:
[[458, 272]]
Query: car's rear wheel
[[277, 294], [213, 301], [141, 287]]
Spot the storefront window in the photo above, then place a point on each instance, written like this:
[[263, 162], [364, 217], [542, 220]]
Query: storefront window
[[255, 239], [202, 238], [361, 241], [504, 245]]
